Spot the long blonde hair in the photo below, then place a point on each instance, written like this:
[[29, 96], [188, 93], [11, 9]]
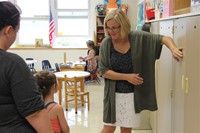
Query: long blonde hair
[[122, 19]]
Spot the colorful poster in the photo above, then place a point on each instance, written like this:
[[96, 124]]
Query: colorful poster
[[167, 8], [112, 5], [118, 2]]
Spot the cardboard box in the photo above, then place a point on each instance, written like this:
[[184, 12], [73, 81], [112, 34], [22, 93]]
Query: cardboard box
[[181, 6]]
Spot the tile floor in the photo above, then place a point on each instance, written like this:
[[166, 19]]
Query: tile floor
[[90, 121]]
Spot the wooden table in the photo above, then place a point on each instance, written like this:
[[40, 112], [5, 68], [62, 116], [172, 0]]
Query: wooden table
[[70, 74]]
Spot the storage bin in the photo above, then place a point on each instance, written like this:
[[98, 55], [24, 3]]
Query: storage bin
[[150, 14]]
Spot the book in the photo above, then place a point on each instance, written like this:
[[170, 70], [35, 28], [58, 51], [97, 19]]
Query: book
[[167, 8]]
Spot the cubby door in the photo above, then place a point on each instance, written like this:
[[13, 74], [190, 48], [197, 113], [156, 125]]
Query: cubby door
[[179, 78], [164, 84], [192, 76]]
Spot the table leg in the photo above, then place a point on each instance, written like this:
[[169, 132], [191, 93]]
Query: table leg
[[60, 91]]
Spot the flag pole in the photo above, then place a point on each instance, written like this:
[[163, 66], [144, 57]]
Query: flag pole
[[52, 26]]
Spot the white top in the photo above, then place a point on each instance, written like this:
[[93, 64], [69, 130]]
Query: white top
[[71, 74]]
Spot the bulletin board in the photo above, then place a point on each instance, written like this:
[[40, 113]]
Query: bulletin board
[[111, 5]]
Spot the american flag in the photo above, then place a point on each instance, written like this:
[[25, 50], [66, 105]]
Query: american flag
[[51, 29]]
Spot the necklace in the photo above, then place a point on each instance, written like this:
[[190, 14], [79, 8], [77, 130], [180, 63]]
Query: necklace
[[122, 47]]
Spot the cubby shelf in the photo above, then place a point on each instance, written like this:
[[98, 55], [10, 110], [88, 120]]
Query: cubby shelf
[[100, 35]]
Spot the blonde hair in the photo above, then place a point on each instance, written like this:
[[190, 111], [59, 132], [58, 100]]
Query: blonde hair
[[122, 19]]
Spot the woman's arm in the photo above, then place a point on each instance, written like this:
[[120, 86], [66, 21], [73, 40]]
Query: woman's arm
[[40, 121], [132, 78], [176, 52]]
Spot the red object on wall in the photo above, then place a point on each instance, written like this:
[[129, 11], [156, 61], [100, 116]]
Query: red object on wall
[[150, 14]]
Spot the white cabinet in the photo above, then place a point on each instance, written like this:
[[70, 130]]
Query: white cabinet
[[178, 83], [161, 119], [186, 102], [178, 70]]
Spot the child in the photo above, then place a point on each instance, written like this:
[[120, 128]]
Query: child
[[90, 58], [48, 86]]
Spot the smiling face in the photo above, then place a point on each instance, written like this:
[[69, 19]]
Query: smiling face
[[113, 29]]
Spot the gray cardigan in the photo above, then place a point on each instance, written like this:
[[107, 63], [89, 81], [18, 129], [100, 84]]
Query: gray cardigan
[[145, 49]]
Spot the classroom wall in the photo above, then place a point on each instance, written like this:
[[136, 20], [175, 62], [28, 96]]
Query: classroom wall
[[56, 55], [53, 55]]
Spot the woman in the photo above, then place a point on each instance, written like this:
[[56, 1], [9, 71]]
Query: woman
[[127, 64], [21, 106], [47, 83]]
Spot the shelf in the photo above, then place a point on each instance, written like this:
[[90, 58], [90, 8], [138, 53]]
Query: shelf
[[100, 35], [103, 16]]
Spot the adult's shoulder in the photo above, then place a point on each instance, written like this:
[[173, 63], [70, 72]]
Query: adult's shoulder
[[106, 41], [13, 58], [142, 34], [137, 33]]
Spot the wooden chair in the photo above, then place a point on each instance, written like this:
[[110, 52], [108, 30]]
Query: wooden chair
[[79, 67], [66, 67], [74, 92]]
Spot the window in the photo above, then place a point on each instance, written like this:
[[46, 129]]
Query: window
[[72, 4], [71, 20], [32, 29], [34, 22], [33, 8], [73, 24]]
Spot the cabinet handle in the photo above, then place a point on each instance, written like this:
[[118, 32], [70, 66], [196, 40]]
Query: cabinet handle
[[182, 83], [186, 85]]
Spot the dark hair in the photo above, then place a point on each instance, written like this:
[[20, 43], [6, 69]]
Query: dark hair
[[9, 14], [45, 81], [146, 27], [90, 43]]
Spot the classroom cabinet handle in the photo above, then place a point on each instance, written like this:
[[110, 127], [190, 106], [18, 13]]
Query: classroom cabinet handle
[[186, 85]]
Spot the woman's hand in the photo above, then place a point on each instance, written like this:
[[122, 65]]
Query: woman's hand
[[135, 79], [177, 53]]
